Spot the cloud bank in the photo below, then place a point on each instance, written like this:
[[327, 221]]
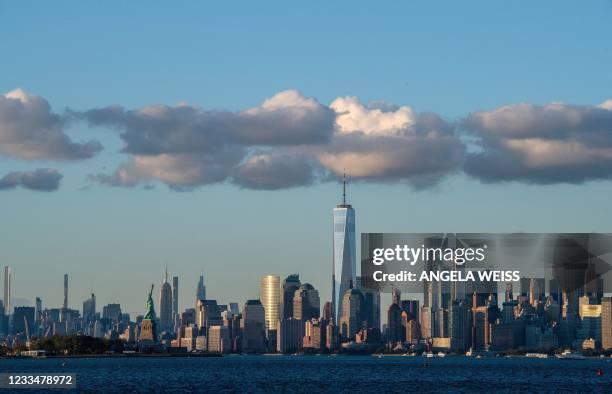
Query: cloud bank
[[42, 179], [290, 140], [542, 144]]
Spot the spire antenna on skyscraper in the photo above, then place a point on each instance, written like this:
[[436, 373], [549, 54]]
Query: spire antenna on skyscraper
[[344, 187]]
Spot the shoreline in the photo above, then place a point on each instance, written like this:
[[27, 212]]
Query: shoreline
[[200, 355]]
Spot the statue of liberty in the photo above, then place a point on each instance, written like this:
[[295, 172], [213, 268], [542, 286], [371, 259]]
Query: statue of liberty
[[150, 315]]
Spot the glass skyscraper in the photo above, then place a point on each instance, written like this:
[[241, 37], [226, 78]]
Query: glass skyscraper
[[269, 295], [344, 269]]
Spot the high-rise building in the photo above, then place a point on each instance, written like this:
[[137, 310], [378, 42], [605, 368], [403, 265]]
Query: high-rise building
[[208, 314], [352, 313], [328, 312], [371, 307], [426, 320], [166, 322], [89, 309], [269, 295], [112, 312], [394, 324], [7, 290], [460, 329], [606, 323], [533, 288], [331, 336], [175, 295], [65, 291], [412, 331], [290, 285], [289, 335], [412, 308], [38, 312], [201, 291], [344, 268], [314, 334], [306, 303], [218, 339], [253, 326], [590, 324], [481, 328]]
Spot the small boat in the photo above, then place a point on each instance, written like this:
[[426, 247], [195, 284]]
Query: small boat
[[569, 355], [536, 355], [441, 354]]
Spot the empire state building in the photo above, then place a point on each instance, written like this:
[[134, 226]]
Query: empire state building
[[344, 268], [165, 306]]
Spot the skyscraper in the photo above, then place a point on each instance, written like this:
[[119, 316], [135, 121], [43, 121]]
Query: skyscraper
[[38, 312], [269, 295], [306, 303], [175, 310], [165, 306], [65, 291], [201, 291], [290, 285], [7, 290], [394, 324], [112, 312], [351, 320], [344, 264], [289, 335], [89, 309], [253, 327], [208, 314]]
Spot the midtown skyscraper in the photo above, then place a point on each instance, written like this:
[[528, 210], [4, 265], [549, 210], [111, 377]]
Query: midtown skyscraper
[[166, 321], [201, 291], [89, 309], [175, 285], [344, 264], [65, 291]]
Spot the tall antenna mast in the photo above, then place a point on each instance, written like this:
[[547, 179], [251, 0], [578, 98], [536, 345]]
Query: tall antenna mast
[[344, 187], [166, 272]]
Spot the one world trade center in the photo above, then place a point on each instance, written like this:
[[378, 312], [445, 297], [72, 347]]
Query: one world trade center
[[344, 269]]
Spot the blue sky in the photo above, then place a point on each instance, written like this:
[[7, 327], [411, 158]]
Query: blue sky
[[450, 58]]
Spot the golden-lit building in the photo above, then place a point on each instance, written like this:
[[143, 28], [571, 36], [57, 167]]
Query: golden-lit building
[[269, 295]]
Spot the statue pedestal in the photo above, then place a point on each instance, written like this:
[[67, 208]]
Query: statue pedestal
[[148, 331]]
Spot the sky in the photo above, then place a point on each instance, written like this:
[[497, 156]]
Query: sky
[[211, 136]]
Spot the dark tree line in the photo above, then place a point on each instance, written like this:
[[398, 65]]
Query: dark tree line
[[76, 344]]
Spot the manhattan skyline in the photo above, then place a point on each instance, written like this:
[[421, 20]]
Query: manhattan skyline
[[452, 61]]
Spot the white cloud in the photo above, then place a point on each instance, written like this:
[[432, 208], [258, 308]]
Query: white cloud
[[353, 116]]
